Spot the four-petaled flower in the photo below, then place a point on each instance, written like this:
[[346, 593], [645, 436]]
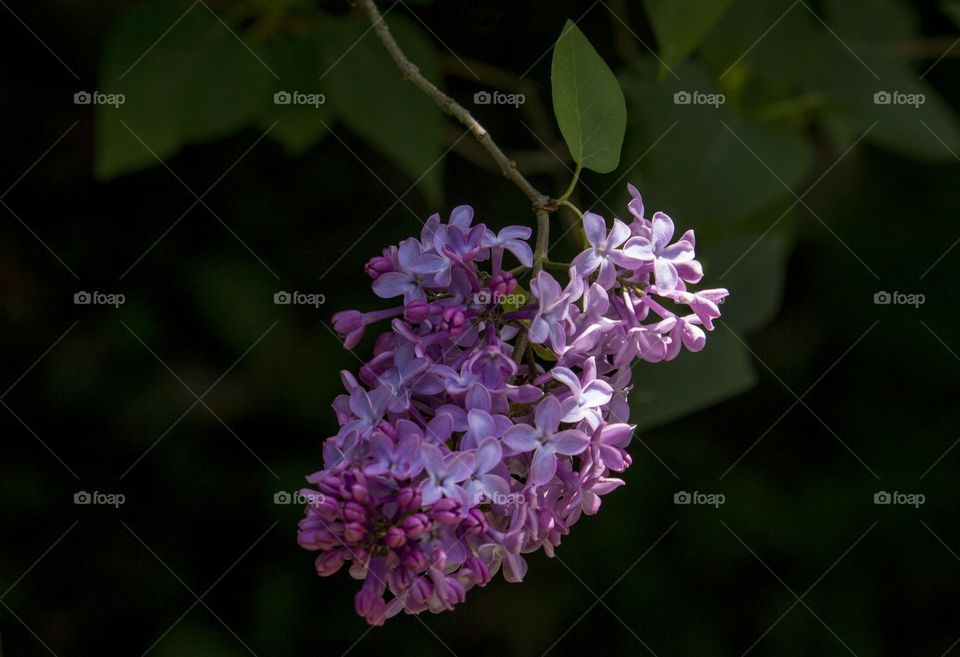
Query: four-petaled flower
[[545, 441], [444, 473], [602, 253], [671, 262]]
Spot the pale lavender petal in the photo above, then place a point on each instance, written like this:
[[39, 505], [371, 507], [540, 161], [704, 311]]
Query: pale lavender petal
[[570, 442], [543, 467], [595, 228], [522, 437]]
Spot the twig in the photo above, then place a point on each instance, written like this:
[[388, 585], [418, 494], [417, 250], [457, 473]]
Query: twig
[[453, 108]]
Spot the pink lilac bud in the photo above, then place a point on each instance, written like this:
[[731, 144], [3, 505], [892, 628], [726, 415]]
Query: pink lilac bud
[[415, 560], [377, 266], [416, 311], [354, 512], [370, 606], [453, 321], [317, 539], [350, 325], [354, 532], [446, 511], [359, 492], [329, 562], [475, 522], [330, 485], [475, 571], [408, 498], [395, 537], [416, 525], [503, 284]]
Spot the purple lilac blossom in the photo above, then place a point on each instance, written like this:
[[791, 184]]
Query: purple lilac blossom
[[456, 456]]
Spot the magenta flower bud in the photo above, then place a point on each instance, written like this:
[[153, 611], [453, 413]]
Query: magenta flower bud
[[416, 311], [416, 525], [450, 592], [408, 498], [354, 512], [475, 571], [317, 539], [330, 485], [350, 325], [354, 532], [377, 266], [453, 321], [395, 537], [415, 560], [329, 562], [370, 606], [421, 592], [503, 284], [359, 492], [446, 511], [475, 522]]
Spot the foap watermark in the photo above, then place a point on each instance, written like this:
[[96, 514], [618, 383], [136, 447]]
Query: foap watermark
[[698, 498], [297, 497], [900, 499], [498, 98], [698, 98], [898, 98], [298, 98], [284, 298], [96, 498], [84, 298], [98, 98], [500, 499], [486, 297], [884, 298]]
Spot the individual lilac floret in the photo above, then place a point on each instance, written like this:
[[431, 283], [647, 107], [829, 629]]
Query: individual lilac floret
[[671, 262], [480, 431], [602, 253], [545, 441]]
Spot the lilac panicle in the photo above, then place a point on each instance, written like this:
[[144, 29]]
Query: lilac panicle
[[456, 455]]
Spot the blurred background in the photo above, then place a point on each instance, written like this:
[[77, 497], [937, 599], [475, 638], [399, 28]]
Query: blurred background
[[813, 146]]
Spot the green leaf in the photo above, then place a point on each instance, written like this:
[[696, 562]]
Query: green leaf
[[543, 352], [754, 271], [297, 126], [710, 150], [666, 391], [588, 102], [952, 9], [196, 83], [681, 25], [371, 97]]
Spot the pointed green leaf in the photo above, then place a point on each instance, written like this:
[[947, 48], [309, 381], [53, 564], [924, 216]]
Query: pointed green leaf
[[588, 102], [681, 25]]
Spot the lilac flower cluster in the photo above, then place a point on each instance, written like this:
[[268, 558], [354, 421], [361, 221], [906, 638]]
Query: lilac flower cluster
[[489, 419]]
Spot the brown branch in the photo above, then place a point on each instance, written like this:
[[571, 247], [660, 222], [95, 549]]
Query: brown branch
[[451, 107]]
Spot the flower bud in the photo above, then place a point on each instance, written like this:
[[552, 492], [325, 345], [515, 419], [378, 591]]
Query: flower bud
[[446, 511], [416, 525], [377, 266], [453, 321], [354, 532], [408, 498], [329, 562], [395, 537], [416, 311]]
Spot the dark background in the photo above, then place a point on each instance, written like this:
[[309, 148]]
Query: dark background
[[90, 408]]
